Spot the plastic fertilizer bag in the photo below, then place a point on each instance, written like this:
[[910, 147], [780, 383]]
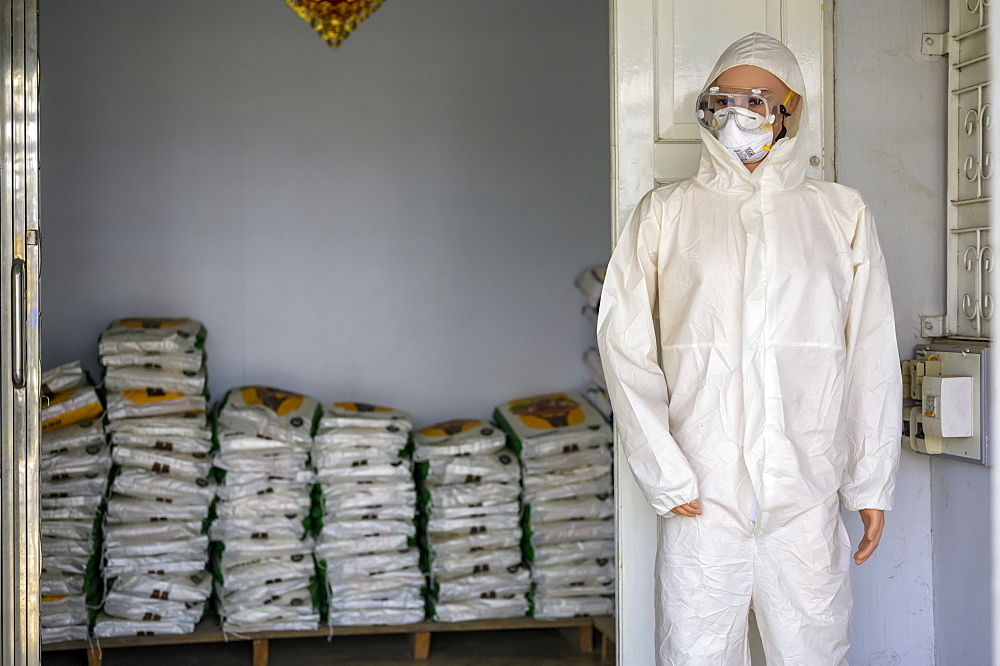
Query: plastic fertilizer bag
[[191, 360], [565, 448], [151, 335], [363, 415], [367, 543], [152, 402], [63, 378], [459, 437], [127, 378], [270, 412], [71, 406]]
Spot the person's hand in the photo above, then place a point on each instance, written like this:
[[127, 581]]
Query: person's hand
[[691, 509], [874, 521]]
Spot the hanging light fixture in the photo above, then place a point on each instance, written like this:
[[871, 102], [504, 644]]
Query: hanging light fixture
[[334, 20]]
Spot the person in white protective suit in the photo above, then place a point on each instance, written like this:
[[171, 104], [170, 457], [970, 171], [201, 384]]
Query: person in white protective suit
[[777, 395]]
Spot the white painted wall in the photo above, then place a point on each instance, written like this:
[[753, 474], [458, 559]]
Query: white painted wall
[[891, 109], [397, 221]]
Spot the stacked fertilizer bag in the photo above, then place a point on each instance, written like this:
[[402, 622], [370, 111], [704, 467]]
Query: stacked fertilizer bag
[[590, 283], [265, 575], [470, 488], [155, 545], [74, 462], [565, 448], [367, 543]]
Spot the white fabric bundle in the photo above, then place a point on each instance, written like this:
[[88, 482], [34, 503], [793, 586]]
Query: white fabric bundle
[[264, 559], [599, 398], [592, 359], [155, 543], [74, 463], [590, 283], [470, 485], [368, 538], [565, 448]]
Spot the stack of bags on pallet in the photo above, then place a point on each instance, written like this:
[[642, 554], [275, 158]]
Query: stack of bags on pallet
[[262, 550], [367, 544], [155, 546], [591, 283], [565, 449], [471, 521], [74, 462]]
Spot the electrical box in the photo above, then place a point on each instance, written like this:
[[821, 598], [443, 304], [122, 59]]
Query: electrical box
[[947, 407]]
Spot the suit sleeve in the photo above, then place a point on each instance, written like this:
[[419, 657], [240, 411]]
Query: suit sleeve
[[636, 384], [873, 384]]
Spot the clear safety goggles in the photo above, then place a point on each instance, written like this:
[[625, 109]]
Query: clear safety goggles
[[715, 107]]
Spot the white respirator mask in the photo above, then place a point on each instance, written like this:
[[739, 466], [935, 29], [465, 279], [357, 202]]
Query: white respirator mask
[[747, 145], [742, 119]]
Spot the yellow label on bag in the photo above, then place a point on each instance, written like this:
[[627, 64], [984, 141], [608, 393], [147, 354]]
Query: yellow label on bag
[[446, 428], [151, 322], [544, 412], [88, 412], [279, 402], [146, 396], [61, 397]]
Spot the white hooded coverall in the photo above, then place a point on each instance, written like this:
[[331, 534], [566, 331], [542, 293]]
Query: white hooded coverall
[[777, 397]]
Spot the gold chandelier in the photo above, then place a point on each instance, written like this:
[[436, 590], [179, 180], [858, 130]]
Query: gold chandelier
[[334, 20]]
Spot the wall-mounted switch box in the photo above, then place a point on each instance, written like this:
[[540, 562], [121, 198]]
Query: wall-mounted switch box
[[951, 390]]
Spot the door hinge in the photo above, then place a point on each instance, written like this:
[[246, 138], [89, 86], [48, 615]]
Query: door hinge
[[934, 43]]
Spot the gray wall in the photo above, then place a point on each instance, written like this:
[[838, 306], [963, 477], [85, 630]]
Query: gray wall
[[398, 221], [924, 597], [960, 494], [893, 151]]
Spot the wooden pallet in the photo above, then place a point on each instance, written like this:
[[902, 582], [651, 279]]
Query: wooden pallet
[[605, 626], [420, 635]]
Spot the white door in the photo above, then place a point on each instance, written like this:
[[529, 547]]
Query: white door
[[661, 51], [19, 356]]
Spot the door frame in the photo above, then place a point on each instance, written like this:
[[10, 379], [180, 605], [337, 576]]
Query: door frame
[[20, 540]]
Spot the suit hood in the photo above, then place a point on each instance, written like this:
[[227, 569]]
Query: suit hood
[[785, 166]]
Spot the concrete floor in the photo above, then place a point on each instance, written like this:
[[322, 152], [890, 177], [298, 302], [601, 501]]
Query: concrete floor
[[534, 647]]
